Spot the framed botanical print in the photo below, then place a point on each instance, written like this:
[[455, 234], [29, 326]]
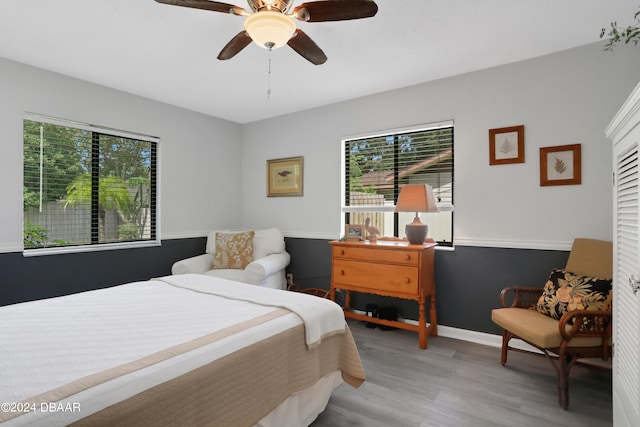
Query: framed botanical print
[[561, 165], [506, 145]]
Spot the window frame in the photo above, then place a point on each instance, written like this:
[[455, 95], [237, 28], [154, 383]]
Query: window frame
[[346, 210], [154, 223]]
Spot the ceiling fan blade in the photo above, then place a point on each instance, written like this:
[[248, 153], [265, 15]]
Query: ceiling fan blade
[[207, 5], [335, 10], [235, 45], [307, 48]]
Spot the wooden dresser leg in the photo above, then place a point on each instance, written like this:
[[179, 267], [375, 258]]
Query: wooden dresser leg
[[433, 316], [422, 325], [347, 300]]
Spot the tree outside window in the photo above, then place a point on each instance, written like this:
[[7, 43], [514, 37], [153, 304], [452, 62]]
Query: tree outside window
[[85, 186]]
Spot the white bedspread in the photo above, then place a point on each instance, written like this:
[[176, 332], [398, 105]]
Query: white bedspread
[[47, 343], [321, 317]]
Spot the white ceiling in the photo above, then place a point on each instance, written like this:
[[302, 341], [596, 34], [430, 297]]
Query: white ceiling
[[168, 53]]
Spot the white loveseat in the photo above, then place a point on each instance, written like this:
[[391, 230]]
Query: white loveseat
[[267, 269]]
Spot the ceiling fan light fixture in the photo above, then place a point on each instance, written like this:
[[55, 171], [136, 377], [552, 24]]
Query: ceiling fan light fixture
[[269, 29]]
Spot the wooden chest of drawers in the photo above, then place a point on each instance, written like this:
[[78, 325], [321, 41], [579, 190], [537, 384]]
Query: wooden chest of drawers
[[388, 268]]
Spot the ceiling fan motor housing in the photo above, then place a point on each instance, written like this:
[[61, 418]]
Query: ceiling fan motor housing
[[274, 5]]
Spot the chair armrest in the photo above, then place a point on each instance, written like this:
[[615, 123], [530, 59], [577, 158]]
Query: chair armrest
[[522, 297], [264, 267], [197, 264], [585, 324]]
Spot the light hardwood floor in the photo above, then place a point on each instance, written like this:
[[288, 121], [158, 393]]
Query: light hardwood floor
[[459, 384]]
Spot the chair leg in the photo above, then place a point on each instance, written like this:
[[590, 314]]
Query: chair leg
[[506, 337], [564, 364]]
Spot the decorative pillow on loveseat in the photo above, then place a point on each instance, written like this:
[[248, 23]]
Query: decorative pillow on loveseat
[[233, 250], [566, 291]]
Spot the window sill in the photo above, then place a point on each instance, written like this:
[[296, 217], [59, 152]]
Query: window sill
[[89, 248]]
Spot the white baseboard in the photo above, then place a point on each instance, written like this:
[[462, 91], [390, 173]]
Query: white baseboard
[[483, 338]]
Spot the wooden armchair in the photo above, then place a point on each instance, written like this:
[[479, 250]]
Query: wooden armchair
[[576, 334]]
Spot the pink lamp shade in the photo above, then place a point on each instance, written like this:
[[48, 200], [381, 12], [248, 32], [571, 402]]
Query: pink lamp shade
[[416, 198]]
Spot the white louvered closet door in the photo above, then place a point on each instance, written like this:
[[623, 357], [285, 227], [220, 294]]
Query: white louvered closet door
[[624, 130]]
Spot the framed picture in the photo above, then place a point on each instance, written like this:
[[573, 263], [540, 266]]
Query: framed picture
[[353, 232], [284, 177], [560, 165], [506, 145]]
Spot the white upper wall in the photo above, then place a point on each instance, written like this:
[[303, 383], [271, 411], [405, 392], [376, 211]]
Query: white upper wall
[[564, 98], [213, 172], [199, 156]]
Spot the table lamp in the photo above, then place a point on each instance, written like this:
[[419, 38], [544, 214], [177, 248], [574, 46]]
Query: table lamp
[[416, 198]]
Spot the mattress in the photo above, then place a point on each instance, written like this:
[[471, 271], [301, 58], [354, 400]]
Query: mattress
[[177, 350]]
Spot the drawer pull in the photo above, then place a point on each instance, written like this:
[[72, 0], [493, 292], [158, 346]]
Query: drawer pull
[[342, 272], [407, 280], [407, 257], [341, 251]]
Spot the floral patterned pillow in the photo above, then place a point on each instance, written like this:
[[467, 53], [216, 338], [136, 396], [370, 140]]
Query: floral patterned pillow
[[233, 250], [565, 291]]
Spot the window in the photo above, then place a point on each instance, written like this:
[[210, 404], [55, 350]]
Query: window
[[377, 166], [86, 187]]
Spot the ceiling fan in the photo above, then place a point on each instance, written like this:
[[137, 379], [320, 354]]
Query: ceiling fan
[[271, 25]]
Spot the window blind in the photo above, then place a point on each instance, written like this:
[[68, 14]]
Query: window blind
[[376, 168], [85, 185]]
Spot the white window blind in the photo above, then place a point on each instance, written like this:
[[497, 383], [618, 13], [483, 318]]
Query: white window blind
[[87, 187], [377, 166]]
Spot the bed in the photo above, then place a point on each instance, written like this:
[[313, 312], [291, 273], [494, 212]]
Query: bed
[[178, 350]]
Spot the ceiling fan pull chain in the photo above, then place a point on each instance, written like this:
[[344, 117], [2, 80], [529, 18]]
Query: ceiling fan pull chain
[[269, 77], [269, 47]]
